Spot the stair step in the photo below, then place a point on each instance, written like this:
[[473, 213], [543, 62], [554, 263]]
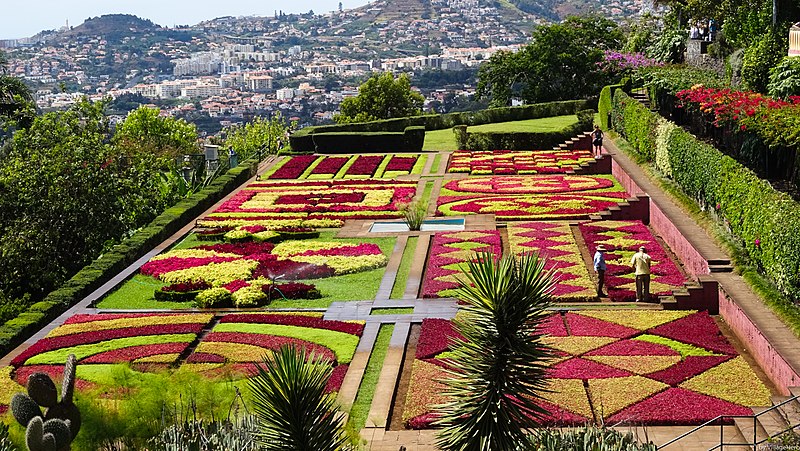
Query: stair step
[[789, 411], [745, 426], [720, 268], [772, 421]]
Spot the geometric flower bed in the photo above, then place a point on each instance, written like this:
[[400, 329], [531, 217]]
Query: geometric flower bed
[[530, 197], [506, 162], [555, 242], [235, 266], [324, 167], [622, 239], [239, 341], [449, 254], [274, 204], [635, 367]]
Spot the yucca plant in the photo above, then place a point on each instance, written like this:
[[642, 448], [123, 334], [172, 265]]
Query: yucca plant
[[414, 214], [293, 410], [498, 368]]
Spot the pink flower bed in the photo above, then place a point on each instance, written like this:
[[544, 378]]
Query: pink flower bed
[[663, 272], [401, 164], [272, 342], [449, 254], [337, 378], [365, 165], [248, 248], [88, 318], [605, 371], [505, 162], [330, 166], [125, 355], [352, 251], [295, 320], [291, 270], [515, 208], [156, 268], [295, 167]]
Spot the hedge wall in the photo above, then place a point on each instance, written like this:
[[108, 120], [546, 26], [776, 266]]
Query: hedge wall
[[301, 140], [604, 104], [767, 221], [482, 141], [94, 275], [410, 140]]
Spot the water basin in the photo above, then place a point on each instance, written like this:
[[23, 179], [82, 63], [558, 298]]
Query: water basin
[[429, 225]]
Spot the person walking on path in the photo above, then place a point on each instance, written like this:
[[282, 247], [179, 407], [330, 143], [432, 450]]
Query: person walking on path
[[597, 140], [600, 268], [640, 262]]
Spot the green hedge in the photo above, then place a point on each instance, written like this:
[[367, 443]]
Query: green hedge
[[94, 275], [410, 140], [604, 104], [302, 141], [765, 220], [482, 141]]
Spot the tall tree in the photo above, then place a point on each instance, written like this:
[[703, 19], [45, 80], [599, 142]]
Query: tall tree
[[499, 367], [145, 129], [260, 135], [381, 97], [16, 99], [560, 63]]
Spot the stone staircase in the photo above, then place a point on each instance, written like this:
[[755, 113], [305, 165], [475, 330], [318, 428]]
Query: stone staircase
[[769, 422], [630, 209], [700, 295], [642, 97], [581, 142]]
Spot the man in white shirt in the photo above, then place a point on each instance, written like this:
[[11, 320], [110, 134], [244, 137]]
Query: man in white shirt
[[640, 262]]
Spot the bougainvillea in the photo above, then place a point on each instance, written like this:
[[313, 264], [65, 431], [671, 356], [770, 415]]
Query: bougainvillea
[[555, 242], [275, 204], [540, 197], [622, 239], [615, 372], [505, 162], [448, 255]]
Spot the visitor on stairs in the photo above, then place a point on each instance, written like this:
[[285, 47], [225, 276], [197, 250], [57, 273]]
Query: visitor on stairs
[[597, 140], [640, 262]]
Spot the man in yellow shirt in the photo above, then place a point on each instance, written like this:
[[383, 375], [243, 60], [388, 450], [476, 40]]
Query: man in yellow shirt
[[640, 262]]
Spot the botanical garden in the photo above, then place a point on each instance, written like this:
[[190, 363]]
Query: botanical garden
[[351, 287]]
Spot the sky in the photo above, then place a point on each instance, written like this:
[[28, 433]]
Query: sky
[[28, 17]]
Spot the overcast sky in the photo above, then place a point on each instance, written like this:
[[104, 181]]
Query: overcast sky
[[28, 17]]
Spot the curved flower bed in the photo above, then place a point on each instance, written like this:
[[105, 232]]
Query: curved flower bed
[[555, 242], [325, 167], [540, 197], [506, 162], [273, 204], [613, 366], [622, 239], [448, 255], [241, 341]]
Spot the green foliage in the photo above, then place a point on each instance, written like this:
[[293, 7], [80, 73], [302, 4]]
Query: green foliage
[[381, 97], [293, 410], [592, 438], [663, 82], [460, 132], [213, 297], [366, 391], [766, 222], [760, 57], [784, 79], [5, 442], [561, 62], [266, 136], [24, 408], [746, 21], [527, 140], [414, 214], [669, 47], [410, 140], [604, 105], [500, 366], [145, 130], [198, 435]]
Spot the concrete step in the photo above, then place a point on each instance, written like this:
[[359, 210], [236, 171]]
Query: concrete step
[[751, 429], [771, 420], [720, 268], [790, 411], [668, 302]]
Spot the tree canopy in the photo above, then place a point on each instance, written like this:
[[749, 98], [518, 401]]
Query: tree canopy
[[268, 135], [560, 63], [165, 137], [381, 97]]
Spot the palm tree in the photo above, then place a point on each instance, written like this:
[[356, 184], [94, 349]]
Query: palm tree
[[499, 367], [294, 412]]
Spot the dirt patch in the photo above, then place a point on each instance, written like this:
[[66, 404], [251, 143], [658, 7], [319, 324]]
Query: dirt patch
[[399, 401]]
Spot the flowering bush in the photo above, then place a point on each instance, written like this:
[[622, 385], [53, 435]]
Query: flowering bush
[[623, 62], [448, 255]]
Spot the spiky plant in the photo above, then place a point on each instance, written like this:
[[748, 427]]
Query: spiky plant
[[498, 368], [294, 412], [414, 214]]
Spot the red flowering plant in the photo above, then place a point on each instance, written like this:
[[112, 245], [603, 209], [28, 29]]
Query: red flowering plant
[[294, 167], [728, 107], [365, 165]]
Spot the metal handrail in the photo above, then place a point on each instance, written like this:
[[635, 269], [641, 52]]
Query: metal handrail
[[721, 419]]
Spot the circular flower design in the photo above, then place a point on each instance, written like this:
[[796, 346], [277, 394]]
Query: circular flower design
[[529, 185]]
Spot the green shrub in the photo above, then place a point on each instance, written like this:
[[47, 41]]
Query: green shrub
[[461, 136], [604, 104], [590, 438], [410, 140], [636, 123], [764, 54], [784, 79], [213, 297], [529, 140]]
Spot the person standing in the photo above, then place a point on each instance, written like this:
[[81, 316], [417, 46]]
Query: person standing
[[597, 140], [600, 268], [640, 262]]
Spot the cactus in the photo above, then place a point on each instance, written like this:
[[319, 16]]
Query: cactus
[[55, 430], [42, 389], [36, 439], [24, 409]]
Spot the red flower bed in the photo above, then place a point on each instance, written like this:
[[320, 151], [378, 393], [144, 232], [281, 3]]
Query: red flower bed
[[677, 406], [295, 320], [448, 256], [247, 248], [698, 329], [578, 368], [125, 355], [236, 285], [330, 166], [337, 378], [504, 162], [291, 270], [633, 347], [205, 357], [581, 325], [291, 290], [350, 251], [272, 342], [727, 105], [333, 198], [365, 165], [435, 337], [68, 341], [401, 164], [88, 318], [156, 268], [56, 372], [186, 287], [687, 368], [294, 168]]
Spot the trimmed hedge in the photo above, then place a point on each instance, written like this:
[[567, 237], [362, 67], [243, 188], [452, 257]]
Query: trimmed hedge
[[302, 141], [94, 275], [410, 140], [765, 220], [482, 141], [604, 104]]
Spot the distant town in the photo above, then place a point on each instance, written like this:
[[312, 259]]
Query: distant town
[[228, 70]]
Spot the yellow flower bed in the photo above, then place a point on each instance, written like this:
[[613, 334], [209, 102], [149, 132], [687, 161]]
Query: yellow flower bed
[[217, 274], [123, 323], [732, 381]]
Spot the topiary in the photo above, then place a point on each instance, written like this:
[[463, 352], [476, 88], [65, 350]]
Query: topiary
[[60, 430], [213, 297], [36, 439]]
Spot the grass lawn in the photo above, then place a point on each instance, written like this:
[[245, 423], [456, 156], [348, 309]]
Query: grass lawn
[[437, 160], [400, 281], [446, 139], [392, 311], [137, 293], [366, 391]]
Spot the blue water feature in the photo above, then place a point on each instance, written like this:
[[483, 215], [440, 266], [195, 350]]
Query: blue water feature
[[436, 225]]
